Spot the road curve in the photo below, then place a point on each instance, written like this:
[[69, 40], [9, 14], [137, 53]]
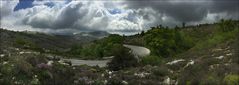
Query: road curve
[[100, 63], [137, 50]]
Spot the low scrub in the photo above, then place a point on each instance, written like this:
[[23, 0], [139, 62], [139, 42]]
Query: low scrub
[[231, 79], [151, 60]]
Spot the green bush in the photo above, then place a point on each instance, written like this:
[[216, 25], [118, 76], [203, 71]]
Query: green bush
[[161, 71], [226, 25], [151, 60], [27, 44], [114, 81], [217, 38], [122, 59], [20, 41], [211, 80], [231, 79], [97, 49], [167, 42]]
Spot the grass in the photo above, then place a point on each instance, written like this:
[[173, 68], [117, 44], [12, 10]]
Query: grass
[[216, 38]]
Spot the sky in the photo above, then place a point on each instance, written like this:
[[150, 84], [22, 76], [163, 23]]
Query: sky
[[113, 16]]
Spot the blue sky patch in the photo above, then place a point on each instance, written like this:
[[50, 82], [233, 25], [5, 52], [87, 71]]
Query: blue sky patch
[[115, 11], [23, 4], [50, 4]]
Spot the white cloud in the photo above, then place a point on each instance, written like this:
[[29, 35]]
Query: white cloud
[[111, 16], [7, 7], [79, 15]]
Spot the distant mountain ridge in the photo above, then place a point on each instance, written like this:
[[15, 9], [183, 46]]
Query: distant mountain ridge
[[48, 40], [90, 36]]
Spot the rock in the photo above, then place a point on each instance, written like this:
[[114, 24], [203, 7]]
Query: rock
[[220, 57], [76, 81], [175, 61], [216, 50], [106, 58], [2, 55], [141, 75], [54, 58], [35, 76], [167, 81], [211, 67], [229, 54], [110, 72], [105, 82], [5, 62], [50, 63], [226, 64], [50, 57], [227, 51], [13, 78], [125, 82], [74, 68], [43, 65], [68, 62], [17, 49], [57, 58], [189, 63], [65, 62], [22, 52]]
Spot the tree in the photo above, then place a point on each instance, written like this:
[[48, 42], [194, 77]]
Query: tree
[[122, 59], [142, 33], [226, 25], [183, 25], [166, 42], [176, 27]]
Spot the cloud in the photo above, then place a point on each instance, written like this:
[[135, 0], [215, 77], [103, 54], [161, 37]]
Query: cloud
[[188, 10], [83, 16], [7, 7], [69, 15], [124, 16]]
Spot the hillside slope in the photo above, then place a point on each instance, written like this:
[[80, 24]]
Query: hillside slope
[[195, 55]]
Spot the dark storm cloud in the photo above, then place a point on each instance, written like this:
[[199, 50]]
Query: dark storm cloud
[[229, 6], [69, 16], [188, 10]]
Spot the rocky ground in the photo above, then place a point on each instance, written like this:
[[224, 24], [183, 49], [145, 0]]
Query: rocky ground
[[20, 66]]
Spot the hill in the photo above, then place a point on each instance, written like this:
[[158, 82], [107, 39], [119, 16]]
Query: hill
[[205, 54]]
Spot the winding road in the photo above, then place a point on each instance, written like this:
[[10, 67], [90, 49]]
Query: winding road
[[138, 51], [100, 63]]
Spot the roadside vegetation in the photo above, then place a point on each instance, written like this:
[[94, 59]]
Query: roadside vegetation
[[97, 49]]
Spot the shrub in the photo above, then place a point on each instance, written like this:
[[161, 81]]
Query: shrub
[[167, 42], [211, 80], [20, 41], [98, 82], [192, 74], [226, 25], [122, 59], [217, 38], [97, 49], [114, 82], [161, 71], [231, 79], [151, 60]]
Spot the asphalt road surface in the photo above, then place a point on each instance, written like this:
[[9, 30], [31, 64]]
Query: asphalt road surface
[[136, 50]]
